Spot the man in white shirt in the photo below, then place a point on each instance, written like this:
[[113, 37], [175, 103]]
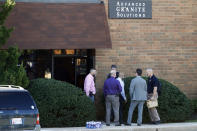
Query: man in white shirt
[[123, 99]]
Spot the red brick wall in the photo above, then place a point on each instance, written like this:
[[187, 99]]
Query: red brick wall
[[167, 43]]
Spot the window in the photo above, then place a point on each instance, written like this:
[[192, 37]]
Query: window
[[16, 100]]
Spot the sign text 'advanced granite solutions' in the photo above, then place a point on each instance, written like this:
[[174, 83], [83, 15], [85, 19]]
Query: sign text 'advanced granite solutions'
[[130, 9]]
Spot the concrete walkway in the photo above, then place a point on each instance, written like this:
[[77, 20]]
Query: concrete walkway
[[134, 127]]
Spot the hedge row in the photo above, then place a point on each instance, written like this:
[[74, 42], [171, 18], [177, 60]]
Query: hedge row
[[61, 104], [174, 106]]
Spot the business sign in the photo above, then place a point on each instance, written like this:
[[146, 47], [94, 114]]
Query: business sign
[[130, 9]]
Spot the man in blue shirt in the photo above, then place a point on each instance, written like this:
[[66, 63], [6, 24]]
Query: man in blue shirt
[[112, 90]]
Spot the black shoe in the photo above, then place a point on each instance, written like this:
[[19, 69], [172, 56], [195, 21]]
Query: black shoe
[[117, 124], [121, 122], [107, 124], [139, 124], [127, 124], [157, 122]]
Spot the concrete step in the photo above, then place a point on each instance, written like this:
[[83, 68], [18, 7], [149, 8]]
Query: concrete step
[[162, 127]]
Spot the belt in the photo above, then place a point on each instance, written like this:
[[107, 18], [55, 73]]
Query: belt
[[112, 94]]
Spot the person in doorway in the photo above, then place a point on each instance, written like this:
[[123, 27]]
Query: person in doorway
[[122, 99], [112, 90], [153, 85], [89, 85], [138, 93]]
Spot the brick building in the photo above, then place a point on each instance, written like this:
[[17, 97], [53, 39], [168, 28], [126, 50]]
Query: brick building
[[167, 42]]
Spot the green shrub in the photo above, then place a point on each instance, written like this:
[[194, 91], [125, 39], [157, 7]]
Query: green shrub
[[5, 10], [11, 74], [194, 105], [61, 104], [174, 106]]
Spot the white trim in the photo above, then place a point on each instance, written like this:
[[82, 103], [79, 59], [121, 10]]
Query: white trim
[[12, 86]]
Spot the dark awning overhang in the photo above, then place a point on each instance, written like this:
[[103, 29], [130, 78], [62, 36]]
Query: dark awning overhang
[[59, 26]]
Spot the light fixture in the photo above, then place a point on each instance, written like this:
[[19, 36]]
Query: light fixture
[[57, 52], [47, 74], [70, 52]]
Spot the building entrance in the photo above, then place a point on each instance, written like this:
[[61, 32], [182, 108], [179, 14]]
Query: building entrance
[[65, 65], [64, 69], [72, 65]]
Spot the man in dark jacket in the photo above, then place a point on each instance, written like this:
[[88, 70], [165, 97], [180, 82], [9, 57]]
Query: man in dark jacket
[[153, 85]]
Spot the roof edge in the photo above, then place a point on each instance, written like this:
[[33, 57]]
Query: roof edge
[[57, 1]]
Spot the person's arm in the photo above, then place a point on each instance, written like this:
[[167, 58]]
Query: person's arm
[[104, 89], [123, 94], [94, 88], [119, 86], [155, 85], [131, 89], [122, 85], [145, 87], [123, 91], [155, 91], [87, 85]]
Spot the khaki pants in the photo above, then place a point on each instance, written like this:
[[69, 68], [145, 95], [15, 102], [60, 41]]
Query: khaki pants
[[112, 101], [154, 116]]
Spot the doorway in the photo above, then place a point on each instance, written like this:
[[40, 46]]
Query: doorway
[[64, 69], [72, 68]]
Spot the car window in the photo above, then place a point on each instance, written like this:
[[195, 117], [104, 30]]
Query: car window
[[16, 100]]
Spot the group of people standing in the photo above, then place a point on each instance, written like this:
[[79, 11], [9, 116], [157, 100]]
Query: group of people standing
[[140, 91]]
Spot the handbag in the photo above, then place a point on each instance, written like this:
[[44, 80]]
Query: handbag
[[152, 103]]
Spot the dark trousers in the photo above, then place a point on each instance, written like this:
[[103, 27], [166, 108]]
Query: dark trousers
[[121, 110]]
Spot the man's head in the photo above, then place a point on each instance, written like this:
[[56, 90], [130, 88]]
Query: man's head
[[93, 72], [113, 67], [138, 72], [149, 72], [113, 73]]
